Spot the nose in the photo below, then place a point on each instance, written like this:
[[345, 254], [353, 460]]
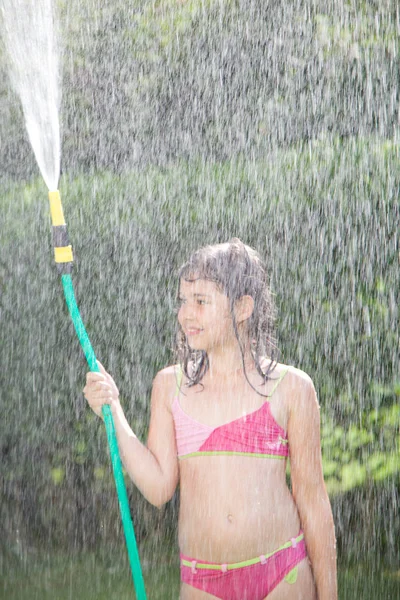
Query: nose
[[186, 312]]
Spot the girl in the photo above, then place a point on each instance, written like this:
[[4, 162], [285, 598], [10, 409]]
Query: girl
[[223, 422]]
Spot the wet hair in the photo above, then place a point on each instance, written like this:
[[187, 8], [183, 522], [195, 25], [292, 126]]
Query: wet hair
[[238, 271]]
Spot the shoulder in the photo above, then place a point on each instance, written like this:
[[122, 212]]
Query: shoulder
[[289, 373], [165, 384], [297, 377], [304, 435], [167, 374], [299, 387]]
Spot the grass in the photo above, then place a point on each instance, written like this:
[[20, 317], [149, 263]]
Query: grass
[[91, 577], [87, 577]]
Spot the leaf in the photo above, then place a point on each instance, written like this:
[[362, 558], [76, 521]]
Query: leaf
[[352, 475], [57, 475]]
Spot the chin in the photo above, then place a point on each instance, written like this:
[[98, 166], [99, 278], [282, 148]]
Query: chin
[[197, 347]]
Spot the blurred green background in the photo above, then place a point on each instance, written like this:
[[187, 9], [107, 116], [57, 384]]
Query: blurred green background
[[185, 123]]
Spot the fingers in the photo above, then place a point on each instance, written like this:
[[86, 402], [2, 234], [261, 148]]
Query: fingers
[[98, 399], [97, 385], [99, 376], [94, 377], [100, 389], [94, 396], [102, 369]]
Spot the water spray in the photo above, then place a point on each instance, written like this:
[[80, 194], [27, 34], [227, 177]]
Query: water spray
[[64, 259], [30, 39]]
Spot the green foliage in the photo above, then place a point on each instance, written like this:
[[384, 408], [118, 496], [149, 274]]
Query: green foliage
[[186, 123], [359, 454], [327, 265], [57, 475], [365, 31], [147, 83]]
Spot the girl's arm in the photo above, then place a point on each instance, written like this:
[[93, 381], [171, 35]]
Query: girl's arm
[[153, 468], [308, 486]]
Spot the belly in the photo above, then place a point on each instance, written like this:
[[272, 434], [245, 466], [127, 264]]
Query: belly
[[234, 508]]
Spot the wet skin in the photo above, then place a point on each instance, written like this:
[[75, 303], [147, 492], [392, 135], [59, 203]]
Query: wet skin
[[232, 508]]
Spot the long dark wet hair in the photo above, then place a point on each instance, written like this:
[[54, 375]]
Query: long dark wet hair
[[238, 271]]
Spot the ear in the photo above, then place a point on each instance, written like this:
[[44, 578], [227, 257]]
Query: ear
[[244, 308]]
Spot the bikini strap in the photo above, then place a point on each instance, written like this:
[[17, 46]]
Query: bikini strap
[[179, 375], [278, 382]]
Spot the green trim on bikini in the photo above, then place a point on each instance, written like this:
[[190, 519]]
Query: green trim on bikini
[[230, 453], [291, 577], [244, 563], [282, 375], [179, 376]]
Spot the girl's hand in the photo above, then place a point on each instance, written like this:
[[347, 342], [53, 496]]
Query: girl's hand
[[100, 389]]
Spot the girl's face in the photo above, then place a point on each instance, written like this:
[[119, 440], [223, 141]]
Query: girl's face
[[205, 315]]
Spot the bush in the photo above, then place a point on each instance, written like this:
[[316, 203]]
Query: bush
[[325, 216]]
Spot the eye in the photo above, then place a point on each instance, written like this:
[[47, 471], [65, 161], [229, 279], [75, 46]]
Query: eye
[[201, 302]]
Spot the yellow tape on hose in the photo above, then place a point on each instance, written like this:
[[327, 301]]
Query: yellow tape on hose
[[63, 255], [57, 215]]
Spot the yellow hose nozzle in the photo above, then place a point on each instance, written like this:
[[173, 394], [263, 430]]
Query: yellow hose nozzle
[[62, 248], [57, 215]]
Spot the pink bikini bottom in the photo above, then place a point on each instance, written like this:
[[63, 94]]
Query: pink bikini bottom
[[251, 579]]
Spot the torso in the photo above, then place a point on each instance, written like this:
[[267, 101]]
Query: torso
[[224, 499]]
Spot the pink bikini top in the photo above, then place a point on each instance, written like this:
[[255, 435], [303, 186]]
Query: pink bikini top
[[255, 434]]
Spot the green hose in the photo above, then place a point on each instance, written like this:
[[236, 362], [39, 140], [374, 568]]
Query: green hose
[[112, 442]]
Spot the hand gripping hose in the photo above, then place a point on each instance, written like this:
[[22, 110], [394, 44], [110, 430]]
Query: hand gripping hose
[[64, 259]]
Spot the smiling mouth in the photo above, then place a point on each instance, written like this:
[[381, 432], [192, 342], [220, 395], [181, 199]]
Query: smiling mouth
[[193, 331]]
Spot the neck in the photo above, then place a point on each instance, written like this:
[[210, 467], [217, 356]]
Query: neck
[[228, 361]]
